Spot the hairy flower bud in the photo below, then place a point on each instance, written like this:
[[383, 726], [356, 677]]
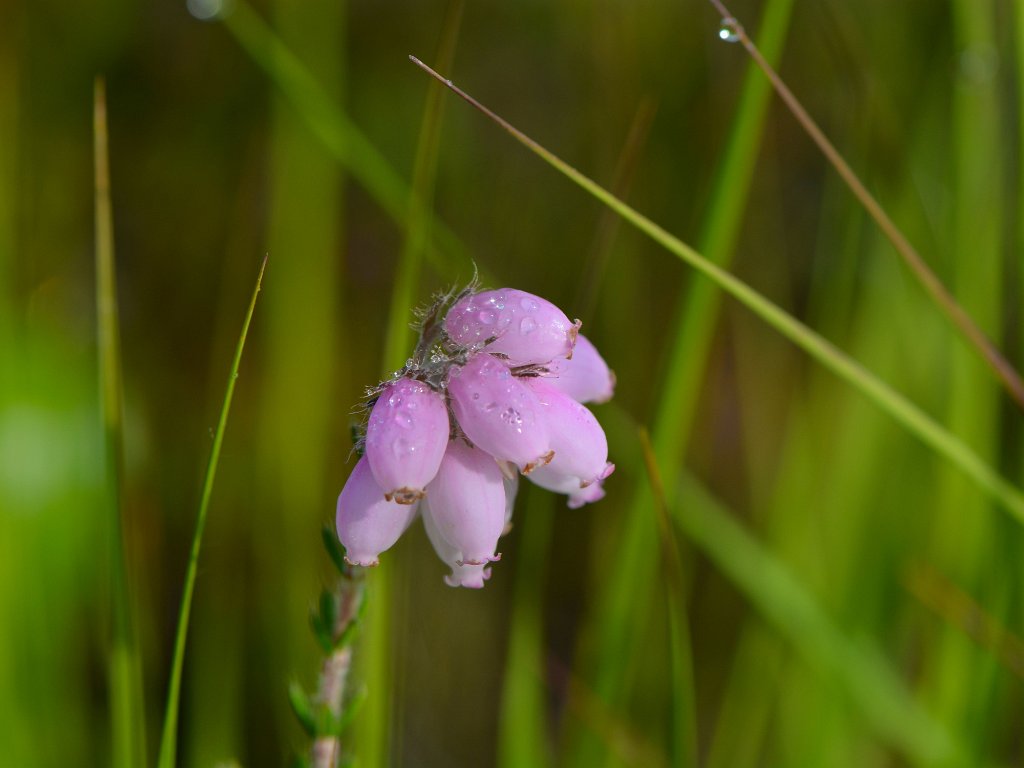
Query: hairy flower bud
[[498, 412], [579, 442], [367, 523], [585, 377], [467, 503], [525, 328], [405, 439]]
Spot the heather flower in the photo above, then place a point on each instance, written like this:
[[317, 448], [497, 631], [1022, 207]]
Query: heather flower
[[472, 575], [585, 377], [579, 443], [493, 389], [498, 412], [524, 329], [405, 439], [467, 503], [369, 524]]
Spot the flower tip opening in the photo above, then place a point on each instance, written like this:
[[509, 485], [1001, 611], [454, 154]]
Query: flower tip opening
[[471, 578], [540, 461], [608, 469], [362, 562], [573, 333], [479, 560], [405, 495]]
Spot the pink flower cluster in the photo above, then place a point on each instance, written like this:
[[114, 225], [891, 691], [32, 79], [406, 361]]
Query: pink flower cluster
[[495, 389]]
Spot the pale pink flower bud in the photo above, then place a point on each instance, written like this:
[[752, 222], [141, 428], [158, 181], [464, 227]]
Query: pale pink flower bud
[[552, 480], [526, 328], [579, 442], [367, 523], [467, 503], [463, 574], [585, 377], [405, 439], [498, 412]]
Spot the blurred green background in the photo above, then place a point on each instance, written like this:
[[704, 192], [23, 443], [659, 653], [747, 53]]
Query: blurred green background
[[846, 596]]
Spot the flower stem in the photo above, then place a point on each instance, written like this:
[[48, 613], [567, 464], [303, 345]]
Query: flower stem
[[333, 679]]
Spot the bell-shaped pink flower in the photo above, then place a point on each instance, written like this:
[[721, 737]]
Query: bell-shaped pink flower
[[405, 439], [525, 328], [368, 524], [585, 377], [498, 412], [552, 480], [579, 442], [467, 503], [463, 574]]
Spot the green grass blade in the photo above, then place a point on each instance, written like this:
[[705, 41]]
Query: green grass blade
[[771, 587], [906, 413], [128, 712], [168, 741]]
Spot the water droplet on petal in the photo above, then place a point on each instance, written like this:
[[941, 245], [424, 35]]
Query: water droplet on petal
[[729, 30], [528, 304], [490, 406], [511, 416], [527, 325], [476, 395], [486, 317], [403, 419], [402, 448]]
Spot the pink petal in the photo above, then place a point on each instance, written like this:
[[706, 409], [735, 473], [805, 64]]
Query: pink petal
[[367, 523], [405, 439], [528, 329], [555, 481], [467, 503], [498, 412], [463, 574], [579, 442], [585, 377]]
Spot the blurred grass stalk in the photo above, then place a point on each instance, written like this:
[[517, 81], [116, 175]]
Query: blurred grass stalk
[[622, 601], [380, 726], [523, 737], [338, 133], [128, 712], [305, 342], [963, 683], [683, 720], [878, 693]]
